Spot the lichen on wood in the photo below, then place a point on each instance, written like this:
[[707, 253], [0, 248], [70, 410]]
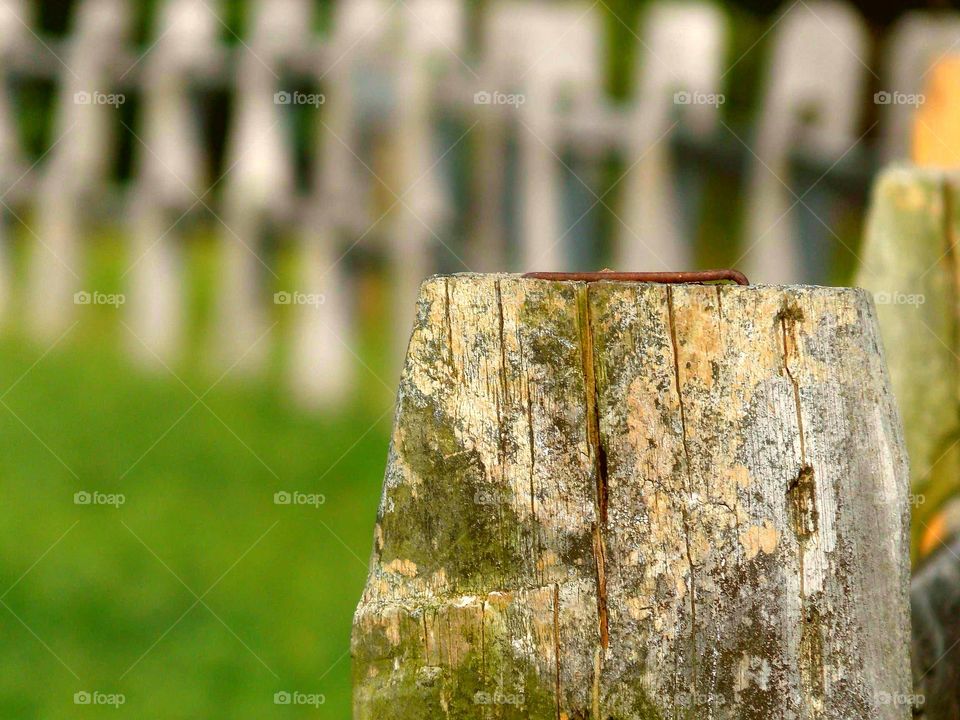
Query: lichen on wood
[[625, 501]]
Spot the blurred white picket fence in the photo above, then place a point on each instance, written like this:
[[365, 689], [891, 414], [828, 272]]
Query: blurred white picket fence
[[526, 83]]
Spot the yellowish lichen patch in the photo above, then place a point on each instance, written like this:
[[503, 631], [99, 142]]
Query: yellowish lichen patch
[[757, 538], [740, 475]]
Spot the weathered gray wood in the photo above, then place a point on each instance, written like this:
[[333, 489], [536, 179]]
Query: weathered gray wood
[[639, 501], [909, 262]]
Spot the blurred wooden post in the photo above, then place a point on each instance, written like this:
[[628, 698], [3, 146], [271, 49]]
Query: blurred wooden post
[[909, 261], [679, 65], [13, 28], [170, 177], [541, 59], [625, 500], [260, 182], [814, 41], [432, 35], [79, 164], [917, 42]]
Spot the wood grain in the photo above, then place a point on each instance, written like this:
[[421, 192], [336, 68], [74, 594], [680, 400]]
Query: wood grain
[[629, 501]]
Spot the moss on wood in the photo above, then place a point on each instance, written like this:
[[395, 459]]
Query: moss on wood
[[628, 502]]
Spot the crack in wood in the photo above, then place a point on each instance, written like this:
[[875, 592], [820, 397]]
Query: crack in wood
[[537, 549], [483, 642], [503, 348], [787, 318], [449, 324], [686, 455], [804, 519], [599, 458]]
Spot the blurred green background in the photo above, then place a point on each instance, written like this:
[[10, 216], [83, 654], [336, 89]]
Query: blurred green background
[[108, 597]]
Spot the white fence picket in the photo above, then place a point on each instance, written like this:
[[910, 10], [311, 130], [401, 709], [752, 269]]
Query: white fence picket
[[79, 162], [679, 82], [542, 57], [815, 40], [13, 27], [260, 178], [320, 374], [170, 178]]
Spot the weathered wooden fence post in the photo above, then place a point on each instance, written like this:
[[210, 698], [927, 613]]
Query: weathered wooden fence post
[[631, 501], [909, 263]]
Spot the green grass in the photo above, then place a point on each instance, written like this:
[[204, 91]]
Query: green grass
[[108, 594]]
